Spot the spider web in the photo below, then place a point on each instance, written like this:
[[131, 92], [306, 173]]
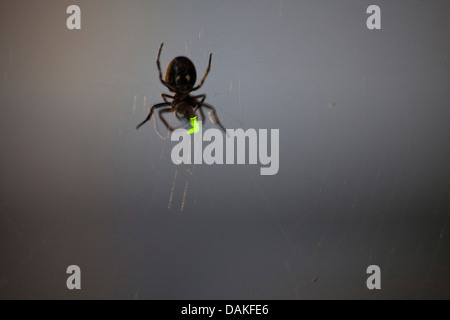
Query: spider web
[[354, 188]]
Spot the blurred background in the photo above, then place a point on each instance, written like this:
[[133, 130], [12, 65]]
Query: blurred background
[[364, 174]]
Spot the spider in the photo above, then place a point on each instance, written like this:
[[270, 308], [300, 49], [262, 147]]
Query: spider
[[180, 79]]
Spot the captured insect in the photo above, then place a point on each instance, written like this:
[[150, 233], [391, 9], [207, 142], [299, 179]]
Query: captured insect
[[180, 79]]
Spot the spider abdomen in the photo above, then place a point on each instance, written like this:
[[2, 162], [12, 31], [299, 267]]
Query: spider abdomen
[[181, 74]]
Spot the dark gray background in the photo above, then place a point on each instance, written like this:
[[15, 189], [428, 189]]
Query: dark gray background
[[364, 151]]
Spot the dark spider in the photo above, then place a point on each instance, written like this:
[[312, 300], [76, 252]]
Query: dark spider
[[180, 79]]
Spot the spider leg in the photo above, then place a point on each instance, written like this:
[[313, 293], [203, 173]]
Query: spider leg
[[164, 120], [156, 106], [203, 97], [158, 64], [160, 72], [210, 107], [204, 77]]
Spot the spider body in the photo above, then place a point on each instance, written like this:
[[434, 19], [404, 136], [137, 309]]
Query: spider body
[[184, 110], [180, 79]]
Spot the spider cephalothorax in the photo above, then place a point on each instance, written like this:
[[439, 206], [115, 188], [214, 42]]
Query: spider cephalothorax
[[180, 79], [181, 75]]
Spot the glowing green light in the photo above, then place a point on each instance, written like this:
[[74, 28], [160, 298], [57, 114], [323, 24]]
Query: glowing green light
[[195, 125]]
